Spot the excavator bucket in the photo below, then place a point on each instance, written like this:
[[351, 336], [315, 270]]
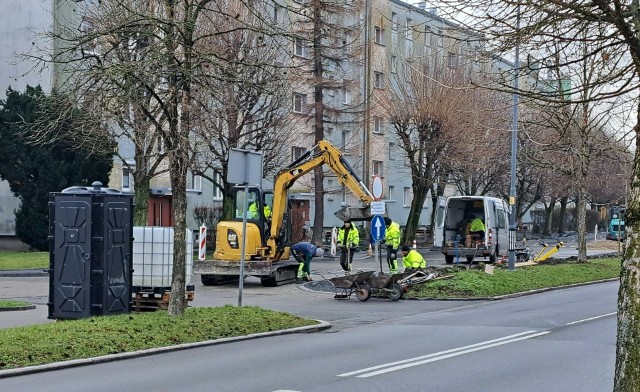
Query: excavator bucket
[[354, 213]]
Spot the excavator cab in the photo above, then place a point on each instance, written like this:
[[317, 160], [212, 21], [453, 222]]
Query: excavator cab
[[259, 214]]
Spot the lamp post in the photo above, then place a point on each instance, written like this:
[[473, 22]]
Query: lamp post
[[514, 146]]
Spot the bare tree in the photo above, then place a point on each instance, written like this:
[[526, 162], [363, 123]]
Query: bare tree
[[475, 160], [423, 105], [326, 45], [247, 102], [574, 35], [160, 78]]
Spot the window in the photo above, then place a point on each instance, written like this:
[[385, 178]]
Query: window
[[297, 152], [378, 80], [407, 197], [409, 49], [378, 124], [329, 190], [299, 102], [409, 31], [126, 179], [502, 222], [344, 143], [239, 200], [440, 40], [392, 190], [217, 187], [89, 37], [452, 59], [427, 37], [378, 35], [394, 21], [194, 182], [378, 168], [394, 61], [299, 47], [276, 14], [346, 94], [392, 147], [476, 59]]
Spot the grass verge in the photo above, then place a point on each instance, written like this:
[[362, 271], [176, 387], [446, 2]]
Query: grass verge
[[91, 337], [6, 304], [477, 284], [23, 260]]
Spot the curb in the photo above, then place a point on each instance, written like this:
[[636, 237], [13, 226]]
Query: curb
[[17, 308], [496, 298], [26, 273], [516, 295], [322, 325]]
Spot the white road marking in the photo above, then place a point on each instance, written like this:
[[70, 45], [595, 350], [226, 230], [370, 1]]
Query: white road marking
[[434, 354], [285, 390], [424, 359], [455, 354], [591, 318]]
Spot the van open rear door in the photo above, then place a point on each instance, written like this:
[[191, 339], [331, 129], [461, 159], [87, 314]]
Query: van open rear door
[[438, 233]]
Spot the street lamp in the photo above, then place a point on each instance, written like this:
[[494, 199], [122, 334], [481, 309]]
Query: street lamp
[[514, 145]]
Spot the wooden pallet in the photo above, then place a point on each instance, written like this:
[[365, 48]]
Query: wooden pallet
[[150, 301]]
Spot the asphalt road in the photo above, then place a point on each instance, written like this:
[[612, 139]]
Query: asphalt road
[[554, 341]]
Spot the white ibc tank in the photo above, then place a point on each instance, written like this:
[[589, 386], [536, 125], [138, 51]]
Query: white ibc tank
[[153, 256]]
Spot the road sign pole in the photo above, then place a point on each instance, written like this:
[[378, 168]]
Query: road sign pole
[[378, 259]]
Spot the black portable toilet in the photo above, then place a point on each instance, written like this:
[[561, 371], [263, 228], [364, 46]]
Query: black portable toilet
[[90, 250]]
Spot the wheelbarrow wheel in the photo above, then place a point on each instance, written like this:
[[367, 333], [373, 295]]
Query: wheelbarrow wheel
[[395, 291], [363, 293]]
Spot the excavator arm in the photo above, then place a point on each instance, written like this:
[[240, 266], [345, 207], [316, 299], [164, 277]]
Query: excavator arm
[[324, 153]]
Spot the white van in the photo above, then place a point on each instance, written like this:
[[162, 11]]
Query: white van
[[453, 220]]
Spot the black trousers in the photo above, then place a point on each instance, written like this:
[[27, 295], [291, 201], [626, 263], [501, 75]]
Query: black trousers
[[346, 258]]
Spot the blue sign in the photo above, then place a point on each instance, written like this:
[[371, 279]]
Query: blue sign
[[378, 228]]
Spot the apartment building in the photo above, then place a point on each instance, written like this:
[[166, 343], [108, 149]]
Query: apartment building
[[395, 35], [384, 38]]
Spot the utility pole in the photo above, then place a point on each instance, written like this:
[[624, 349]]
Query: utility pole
[[367, 92]]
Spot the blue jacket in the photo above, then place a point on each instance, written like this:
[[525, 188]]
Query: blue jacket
[[306, 249]]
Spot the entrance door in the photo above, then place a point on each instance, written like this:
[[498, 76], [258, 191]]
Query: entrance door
[[159, 211], [438, 233]]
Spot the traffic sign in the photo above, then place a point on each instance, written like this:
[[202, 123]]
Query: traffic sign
[[377, 207], [376, 187], [378, 228]]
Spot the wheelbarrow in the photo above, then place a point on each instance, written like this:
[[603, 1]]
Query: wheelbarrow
[[356, 283], [387, 284], [394, 286]]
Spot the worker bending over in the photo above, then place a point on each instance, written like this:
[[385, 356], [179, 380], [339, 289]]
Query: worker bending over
[[412, 260]]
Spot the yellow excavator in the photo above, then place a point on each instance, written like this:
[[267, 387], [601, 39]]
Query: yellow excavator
[[267, 242]]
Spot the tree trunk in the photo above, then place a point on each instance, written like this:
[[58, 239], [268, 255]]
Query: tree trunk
[[413, 221], [563, 212], [318, 216], [228, 212], [140, 198], [582, 213], [548, 222], [179, 111], [178, 173], [627, 371]]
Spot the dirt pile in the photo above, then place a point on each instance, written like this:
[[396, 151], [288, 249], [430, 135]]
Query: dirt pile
[[604, 245]]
